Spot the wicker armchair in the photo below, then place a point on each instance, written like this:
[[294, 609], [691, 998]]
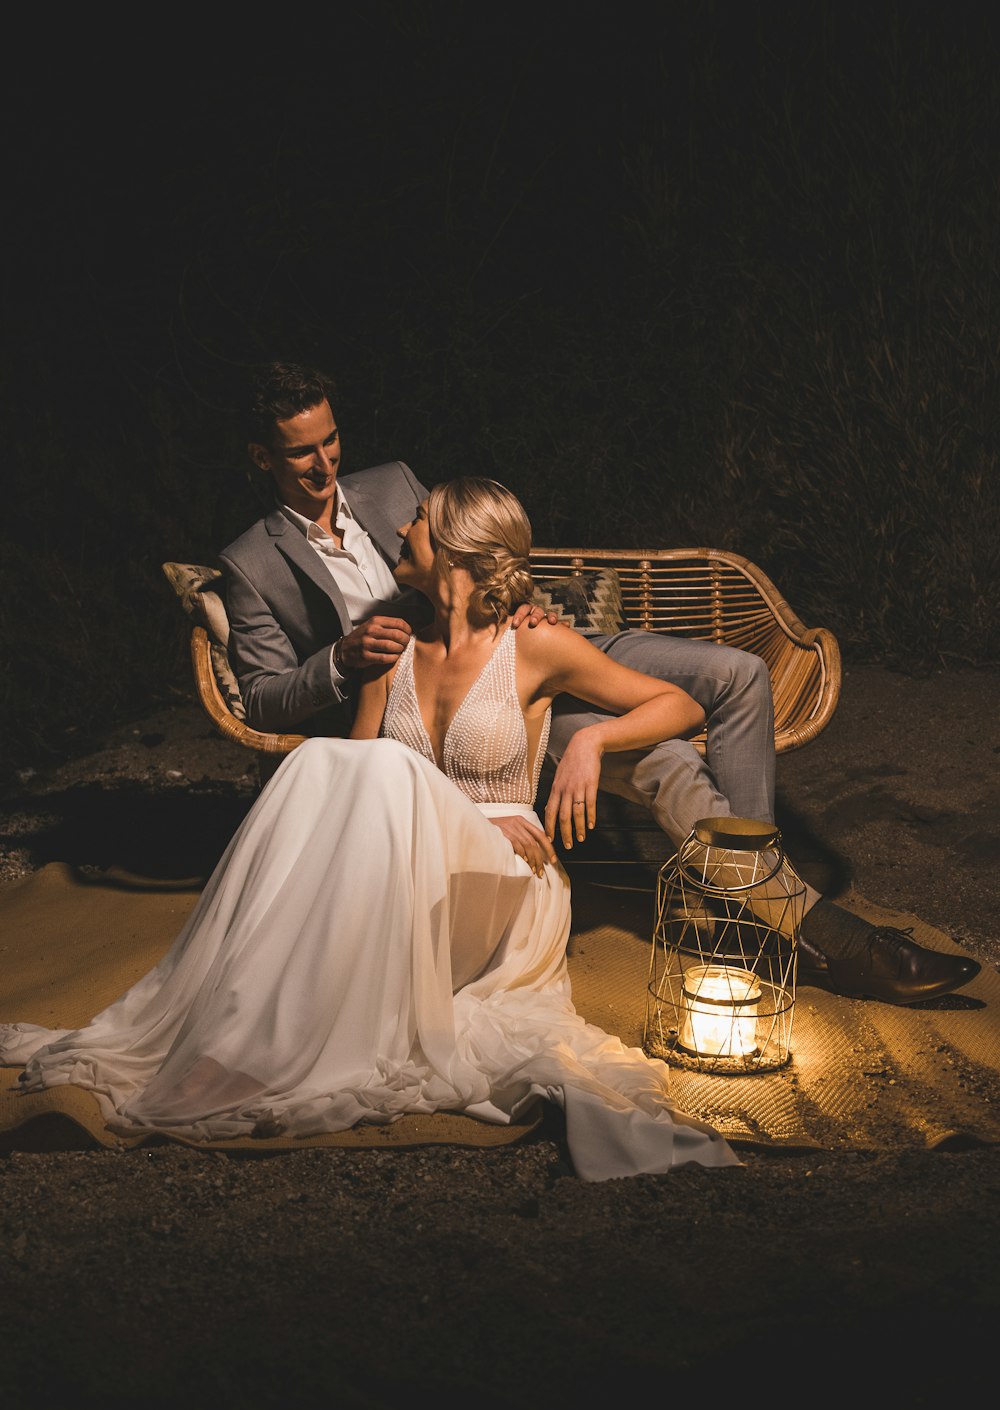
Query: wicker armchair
[[703, 593]]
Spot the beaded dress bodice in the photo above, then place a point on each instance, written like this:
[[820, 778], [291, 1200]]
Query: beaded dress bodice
[[486, 746]]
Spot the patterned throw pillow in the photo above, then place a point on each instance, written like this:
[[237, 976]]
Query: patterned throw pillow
[[591, 600], [196, 586]]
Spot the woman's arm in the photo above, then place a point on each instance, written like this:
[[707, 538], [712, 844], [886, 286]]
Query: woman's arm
[[644, 711], [373, 694]]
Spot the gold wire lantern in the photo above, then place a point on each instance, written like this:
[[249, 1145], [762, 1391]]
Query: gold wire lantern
[[721, 991]]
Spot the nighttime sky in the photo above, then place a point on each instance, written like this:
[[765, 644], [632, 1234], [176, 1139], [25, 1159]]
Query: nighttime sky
[[493, 150], [418, 174]]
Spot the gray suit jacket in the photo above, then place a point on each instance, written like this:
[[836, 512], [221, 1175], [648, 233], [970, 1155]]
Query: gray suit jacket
[[286, 611]]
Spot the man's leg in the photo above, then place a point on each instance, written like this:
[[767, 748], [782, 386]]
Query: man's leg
[[734, 689], [671, 780], [674, 783], [837, 949]]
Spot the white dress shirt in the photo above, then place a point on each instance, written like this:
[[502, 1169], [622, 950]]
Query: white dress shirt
[[359, 570]]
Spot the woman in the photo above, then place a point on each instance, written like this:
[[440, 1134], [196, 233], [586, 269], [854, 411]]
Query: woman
[[387, 930]]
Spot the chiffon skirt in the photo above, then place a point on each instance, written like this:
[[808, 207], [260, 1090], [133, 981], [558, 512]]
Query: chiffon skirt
[[368, 945]]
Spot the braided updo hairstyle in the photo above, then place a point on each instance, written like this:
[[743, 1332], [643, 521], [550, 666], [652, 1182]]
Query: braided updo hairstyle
[[478, 525]]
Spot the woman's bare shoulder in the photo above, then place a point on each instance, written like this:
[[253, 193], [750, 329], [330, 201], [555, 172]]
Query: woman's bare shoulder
[[545, 636], [549, 647]]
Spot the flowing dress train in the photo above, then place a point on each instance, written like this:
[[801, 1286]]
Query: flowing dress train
[[369, 945]]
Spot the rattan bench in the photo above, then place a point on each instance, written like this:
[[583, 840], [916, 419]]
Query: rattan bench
[[705, 593]]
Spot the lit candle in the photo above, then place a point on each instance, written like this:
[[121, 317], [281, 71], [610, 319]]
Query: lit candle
[[719, 1011]]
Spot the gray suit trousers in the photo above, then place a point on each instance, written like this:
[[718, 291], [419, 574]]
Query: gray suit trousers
[[672, 780]]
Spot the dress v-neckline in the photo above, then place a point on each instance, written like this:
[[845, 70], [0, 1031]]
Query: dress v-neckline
[[442, 763]]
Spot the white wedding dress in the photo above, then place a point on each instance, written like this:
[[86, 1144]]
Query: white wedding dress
[[370, 945]]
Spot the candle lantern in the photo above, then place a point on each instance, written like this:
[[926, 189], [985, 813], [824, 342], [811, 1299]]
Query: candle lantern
[[721, 990]]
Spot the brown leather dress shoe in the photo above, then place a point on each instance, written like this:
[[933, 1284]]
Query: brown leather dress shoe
[[889, 965]]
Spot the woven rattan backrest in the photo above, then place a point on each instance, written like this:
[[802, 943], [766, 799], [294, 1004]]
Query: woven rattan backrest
[[714, 595]]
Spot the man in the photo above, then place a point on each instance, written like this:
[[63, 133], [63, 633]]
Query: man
[[312, 602]]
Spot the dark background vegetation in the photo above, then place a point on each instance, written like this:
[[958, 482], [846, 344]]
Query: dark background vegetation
[[715, 273]]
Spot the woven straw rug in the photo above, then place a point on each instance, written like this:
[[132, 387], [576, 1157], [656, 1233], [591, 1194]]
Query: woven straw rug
[[863, 1075]]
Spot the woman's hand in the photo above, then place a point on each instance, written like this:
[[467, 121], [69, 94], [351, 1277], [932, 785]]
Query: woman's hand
[[572, 802], [527, 841]]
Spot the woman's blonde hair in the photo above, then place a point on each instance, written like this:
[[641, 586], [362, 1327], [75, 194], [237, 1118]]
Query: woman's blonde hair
[[478, 525]]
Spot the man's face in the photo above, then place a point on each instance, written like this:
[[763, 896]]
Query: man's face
[[303, 459]]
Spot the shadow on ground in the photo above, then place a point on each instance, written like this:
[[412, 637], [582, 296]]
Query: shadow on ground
[[180, 834]]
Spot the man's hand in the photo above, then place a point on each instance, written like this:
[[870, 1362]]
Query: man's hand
[[532, 614], [379, 642], [572, 805], [527, 841]]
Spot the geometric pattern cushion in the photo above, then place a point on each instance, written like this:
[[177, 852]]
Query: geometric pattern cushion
[[226, 681], [591, 600], [196, 587]]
